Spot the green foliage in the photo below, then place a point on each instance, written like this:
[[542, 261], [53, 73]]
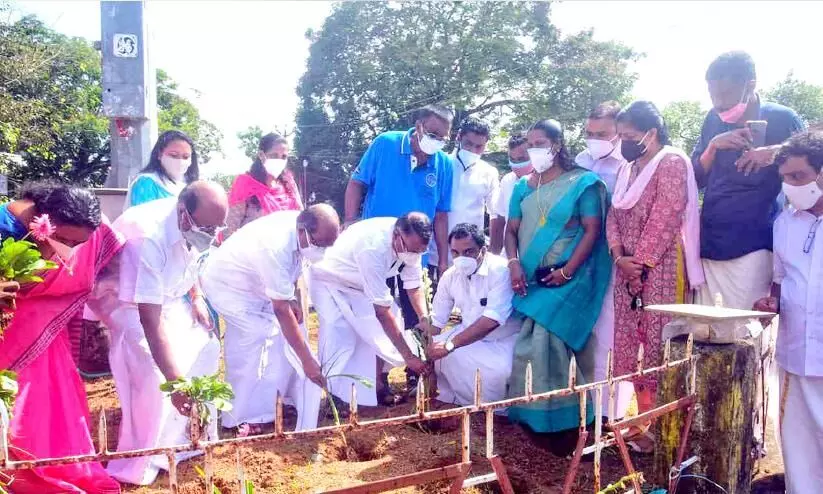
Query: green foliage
[[203, 391], [684, 119], [8, 389], [51, 101], [250, 140], [372, 64], [21, 261], [803, 97], [224, 180], [248, 485]]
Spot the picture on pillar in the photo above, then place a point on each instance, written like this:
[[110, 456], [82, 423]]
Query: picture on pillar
[[125, 45]]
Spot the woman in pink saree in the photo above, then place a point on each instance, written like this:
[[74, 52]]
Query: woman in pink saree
[[51, 415]]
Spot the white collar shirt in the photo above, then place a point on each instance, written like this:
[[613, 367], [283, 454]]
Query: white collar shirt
[[800, 275], [607, 167], [261, 260], [486, 293], [363, 259], [507, 184], [475, 192], [156, 264]]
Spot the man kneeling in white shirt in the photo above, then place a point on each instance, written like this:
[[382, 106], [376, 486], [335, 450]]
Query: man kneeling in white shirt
[[479, 285], [251, 281]]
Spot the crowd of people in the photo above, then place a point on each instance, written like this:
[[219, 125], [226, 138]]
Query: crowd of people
[[574, 248]]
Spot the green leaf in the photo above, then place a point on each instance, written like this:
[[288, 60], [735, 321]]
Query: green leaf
[[360, 379]]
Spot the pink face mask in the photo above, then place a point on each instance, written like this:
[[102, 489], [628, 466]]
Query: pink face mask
[[733, 114]]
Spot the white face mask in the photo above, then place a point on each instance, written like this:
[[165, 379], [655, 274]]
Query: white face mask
[[802, 197], [465, 265], [199, 239], [274, 167], [429, 145], [175, 167], [311, 253], [541, 158], [599, 149], [467, 158], [406, 257]]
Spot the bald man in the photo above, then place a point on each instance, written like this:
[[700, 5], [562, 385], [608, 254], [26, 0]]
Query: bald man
[[157, 333], [251, 281]]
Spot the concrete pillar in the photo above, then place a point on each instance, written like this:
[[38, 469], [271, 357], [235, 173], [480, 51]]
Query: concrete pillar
[[129, 88]]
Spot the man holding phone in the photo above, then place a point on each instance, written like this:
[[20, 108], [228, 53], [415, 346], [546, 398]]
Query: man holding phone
[[733, 165]]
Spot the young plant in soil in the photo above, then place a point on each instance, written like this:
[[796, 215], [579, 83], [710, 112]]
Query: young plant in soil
[[204, 392], [248, 485]]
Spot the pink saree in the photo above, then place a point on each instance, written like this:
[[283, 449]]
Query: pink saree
[[51, 415]]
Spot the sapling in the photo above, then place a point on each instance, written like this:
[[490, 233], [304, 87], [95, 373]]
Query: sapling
[[204, 392]]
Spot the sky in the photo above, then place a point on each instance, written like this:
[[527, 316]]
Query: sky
[[245, 58]]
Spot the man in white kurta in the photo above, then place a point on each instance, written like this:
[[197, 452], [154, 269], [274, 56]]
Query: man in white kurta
[[251, 282], [797, 294], [479, 285], [359, 321], [475, 183], [157, 334], [602, 156]]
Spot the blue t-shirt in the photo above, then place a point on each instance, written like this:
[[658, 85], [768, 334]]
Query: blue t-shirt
[[393, 188], [738, 210], [9, 225]]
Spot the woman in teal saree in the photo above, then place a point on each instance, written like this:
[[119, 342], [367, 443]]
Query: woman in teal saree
[[557, 228]]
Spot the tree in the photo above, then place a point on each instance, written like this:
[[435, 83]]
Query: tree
[[51, 101], [684, 119], [249, 141], [372, 64], [803, 97]]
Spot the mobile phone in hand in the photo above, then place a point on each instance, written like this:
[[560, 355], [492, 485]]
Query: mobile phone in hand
[[758, 131]]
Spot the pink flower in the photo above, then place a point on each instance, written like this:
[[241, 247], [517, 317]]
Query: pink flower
[[41, 227]]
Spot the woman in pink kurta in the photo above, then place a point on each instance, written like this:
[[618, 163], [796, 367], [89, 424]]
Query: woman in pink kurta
[[655, 200]]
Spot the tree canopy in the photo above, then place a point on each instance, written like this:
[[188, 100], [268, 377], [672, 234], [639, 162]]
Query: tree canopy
[[684, 119], [372, 64], [50, 106], [803, 97]]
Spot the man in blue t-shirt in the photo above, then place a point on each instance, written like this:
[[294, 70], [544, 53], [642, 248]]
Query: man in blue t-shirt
[[733, 165], [405, 171]]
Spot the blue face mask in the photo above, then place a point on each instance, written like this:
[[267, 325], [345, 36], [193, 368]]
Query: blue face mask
[[521, 164]]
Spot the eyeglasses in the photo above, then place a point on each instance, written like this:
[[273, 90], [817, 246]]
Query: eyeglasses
[[807, 245], [210, 230]]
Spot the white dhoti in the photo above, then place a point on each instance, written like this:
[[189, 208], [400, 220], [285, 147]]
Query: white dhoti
[[260, 362], [802, 432], [603, 342], [149, 419], [351, 338], [456, 371], [740, 282]]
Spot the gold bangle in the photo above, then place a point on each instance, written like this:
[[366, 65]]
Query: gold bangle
[[563, 274], [513, 259]]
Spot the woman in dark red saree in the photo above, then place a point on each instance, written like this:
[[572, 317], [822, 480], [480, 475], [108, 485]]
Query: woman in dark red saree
[[51, 415]]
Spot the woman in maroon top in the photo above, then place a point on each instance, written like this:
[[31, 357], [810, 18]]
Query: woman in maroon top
[[267, 187]]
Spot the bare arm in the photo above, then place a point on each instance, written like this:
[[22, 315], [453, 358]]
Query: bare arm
[[353, 200], [512, 226], [150, 318], [591, 231], [418, 302], [497, 227]]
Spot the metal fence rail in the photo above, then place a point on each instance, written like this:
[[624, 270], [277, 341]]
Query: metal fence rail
[[456, 472]]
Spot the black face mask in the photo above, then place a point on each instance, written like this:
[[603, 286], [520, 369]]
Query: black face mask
[[631, 150]]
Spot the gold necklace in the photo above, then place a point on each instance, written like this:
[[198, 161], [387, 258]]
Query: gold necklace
[[544, 211]]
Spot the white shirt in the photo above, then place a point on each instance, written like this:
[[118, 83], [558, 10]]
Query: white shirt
[[486, 293], [507, 184], [156, 265], [260, 260], [474, 193], [800, 275], [606, 168], [363, 258]]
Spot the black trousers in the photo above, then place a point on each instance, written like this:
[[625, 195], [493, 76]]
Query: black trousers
[[410, 318]]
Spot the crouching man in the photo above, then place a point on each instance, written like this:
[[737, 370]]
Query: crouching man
[[479, 285], [251, 281], [361, 328]]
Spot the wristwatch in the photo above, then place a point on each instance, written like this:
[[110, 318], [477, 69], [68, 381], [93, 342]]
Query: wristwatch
[[449, 346]]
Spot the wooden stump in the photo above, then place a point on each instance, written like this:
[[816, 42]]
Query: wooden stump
[[722, 430]]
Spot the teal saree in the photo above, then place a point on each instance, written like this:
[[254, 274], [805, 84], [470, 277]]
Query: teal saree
[[557, 321]]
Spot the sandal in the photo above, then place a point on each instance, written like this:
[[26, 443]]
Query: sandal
[[246, 429]]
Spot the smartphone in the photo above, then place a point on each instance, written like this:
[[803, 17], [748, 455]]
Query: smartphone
[[758, 130]]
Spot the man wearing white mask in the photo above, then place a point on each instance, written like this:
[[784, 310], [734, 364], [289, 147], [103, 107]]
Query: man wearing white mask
[[797, 295], [479, 284], [403, 172], [251, 281], [157, 334], [602, 156], [521, 166], [360, 328], [475, 183], [602, 153]]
